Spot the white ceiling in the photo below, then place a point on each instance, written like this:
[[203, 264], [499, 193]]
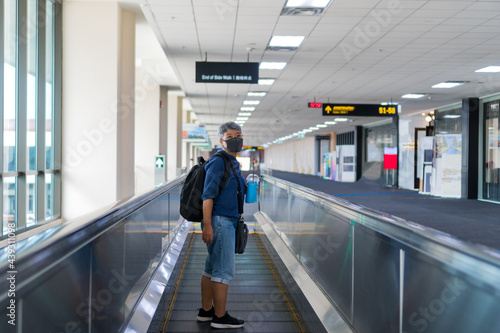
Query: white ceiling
[[357, 51]]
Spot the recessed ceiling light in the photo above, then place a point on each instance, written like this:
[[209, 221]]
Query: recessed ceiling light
[[314, 128], [251, 102], [330, 122], [247, 108], [256, 93], [414, 96], [307, 131], [341, 119], [321, 126], [244, 114], [242, 118], [448, 84], [489, 69], [307, 3], [286, 41], [266, 82], [272, 65]]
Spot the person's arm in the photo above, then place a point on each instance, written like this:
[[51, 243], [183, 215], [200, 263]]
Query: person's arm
[[208, 232]]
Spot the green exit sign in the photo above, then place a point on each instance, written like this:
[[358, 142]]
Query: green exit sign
[[160, 161]]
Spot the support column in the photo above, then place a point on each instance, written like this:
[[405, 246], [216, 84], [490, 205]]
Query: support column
[[470, 144], [174, 159], [333, 141], [164, 125], [358, 146], [187, 145], [125, 176], [395, 143]]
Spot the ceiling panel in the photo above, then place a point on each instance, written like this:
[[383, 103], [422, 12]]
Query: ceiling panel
[[356, 51]]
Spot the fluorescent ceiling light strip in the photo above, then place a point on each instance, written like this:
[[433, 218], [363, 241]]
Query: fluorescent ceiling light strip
[[256, 93], [330, 122], [414, 96], [489, 69], [307, 3], [321, 126], [242, 118], [244, 114], [266, 82], [341, 119], [247, 108], [272, 65], [251, 102], [447, 85], [286, 41]]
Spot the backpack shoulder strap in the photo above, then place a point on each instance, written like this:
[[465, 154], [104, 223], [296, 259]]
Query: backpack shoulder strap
[[239, 193], [227, 174]]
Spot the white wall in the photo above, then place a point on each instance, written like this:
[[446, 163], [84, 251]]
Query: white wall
[[293, 156], [91, 114], [147, 138]]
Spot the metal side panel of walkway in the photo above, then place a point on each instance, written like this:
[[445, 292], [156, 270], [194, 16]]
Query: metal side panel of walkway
[[254, 295]]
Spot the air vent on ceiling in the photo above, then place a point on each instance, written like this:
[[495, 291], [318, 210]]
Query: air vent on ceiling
[[301, 11]]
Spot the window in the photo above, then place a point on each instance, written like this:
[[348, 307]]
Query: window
[[448, 122], [28, 90]]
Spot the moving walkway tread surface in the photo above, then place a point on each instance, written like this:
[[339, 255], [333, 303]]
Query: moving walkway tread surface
[[254, 295]]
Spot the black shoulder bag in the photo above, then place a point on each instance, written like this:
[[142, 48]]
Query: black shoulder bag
[[241, 227]]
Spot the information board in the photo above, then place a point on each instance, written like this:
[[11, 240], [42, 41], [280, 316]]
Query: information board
[[227, 72], [360, 110]]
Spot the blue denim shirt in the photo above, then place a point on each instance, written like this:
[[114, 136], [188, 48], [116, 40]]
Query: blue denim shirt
[[225, 202]]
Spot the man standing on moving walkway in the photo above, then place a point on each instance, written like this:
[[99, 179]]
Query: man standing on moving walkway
[[220, 217]]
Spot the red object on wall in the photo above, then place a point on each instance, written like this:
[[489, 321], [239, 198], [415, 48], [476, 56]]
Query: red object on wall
[[390, 158]]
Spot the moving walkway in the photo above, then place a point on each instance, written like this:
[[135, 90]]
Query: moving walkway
[[314, 263]]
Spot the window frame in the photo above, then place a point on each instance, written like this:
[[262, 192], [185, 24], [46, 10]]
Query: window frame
[[22, 171]]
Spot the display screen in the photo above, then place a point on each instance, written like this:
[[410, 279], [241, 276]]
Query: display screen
[[315, 105]]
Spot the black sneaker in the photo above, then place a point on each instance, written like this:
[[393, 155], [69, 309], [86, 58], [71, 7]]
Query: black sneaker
[[226, 321], [205, 315]]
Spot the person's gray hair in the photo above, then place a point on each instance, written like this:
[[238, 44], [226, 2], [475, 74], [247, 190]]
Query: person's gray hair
[[230, 125]]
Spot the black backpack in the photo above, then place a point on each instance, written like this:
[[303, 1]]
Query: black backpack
[[191, 205]]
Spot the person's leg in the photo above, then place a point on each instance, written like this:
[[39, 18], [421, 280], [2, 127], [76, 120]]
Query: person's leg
[[206, 283], [219, 292], [207, 298], [223, 259]]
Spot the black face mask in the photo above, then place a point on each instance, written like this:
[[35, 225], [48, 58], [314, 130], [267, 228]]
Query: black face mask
[[234, 145]]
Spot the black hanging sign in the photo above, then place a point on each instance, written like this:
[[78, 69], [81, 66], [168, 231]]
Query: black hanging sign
[[227, 72]]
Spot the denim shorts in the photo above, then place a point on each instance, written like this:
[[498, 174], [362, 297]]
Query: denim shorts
[[219, 265]]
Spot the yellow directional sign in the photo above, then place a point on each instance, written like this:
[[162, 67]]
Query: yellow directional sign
[[360, 110]]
